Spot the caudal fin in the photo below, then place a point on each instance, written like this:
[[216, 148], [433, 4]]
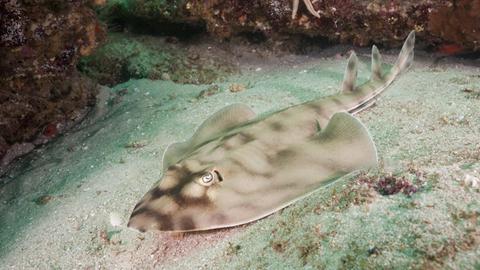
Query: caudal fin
[[405, 58], [379, 80]]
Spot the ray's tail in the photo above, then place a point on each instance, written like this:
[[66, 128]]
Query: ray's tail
[[379, 81], [404, 60]]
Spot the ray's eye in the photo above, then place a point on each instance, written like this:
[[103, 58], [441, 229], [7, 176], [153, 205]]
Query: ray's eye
[[207, 178]]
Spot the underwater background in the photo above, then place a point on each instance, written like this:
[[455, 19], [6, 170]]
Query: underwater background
[[92, 92]]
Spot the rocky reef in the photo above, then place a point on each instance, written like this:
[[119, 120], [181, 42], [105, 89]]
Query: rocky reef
[[42, 42], [41, 92], [451, 26]]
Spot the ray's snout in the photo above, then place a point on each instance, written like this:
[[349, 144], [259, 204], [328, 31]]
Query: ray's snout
[[166, 208], [181, 201], [143, 218]]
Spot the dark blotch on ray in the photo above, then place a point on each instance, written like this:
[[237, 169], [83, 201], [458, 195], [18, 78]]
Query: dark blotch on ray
[[286, 153], [316, 107], [137, 211], [349, 85], [164, 221], [246, 138], [277, 126], [186, 223], [185, 176], [157, 193], [188, 201], [351, 65], [241, 137], [338, 101]]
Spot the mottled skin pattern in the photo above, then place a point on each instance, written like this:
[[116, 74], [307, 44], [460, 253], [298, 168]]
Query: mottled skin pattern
[[238, 168]]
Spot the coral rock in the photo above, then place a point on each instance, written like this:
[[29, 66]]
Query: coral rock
[[40, 44], [348, 21]]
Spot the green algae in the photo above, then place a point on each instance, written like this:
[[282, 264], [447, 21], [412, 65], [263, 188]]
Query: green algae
[[124, 57], [147, 8]]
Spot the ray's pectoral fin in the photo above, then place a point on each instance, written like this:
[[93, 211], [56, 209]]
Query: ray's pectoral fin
[[345, 145], [222, 121], [217, 124], [174, 153], [342, 147]]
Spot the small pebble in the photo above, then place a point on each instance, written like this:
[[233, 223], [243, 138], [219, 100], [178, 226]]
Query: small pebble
[[236, 87], [471, 181], [166, 77], [115, 219]]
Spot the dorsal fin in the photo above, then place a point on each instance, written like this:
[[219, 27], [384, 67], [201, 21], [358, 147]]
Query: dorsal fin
[[377, 73], [350, 77]]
